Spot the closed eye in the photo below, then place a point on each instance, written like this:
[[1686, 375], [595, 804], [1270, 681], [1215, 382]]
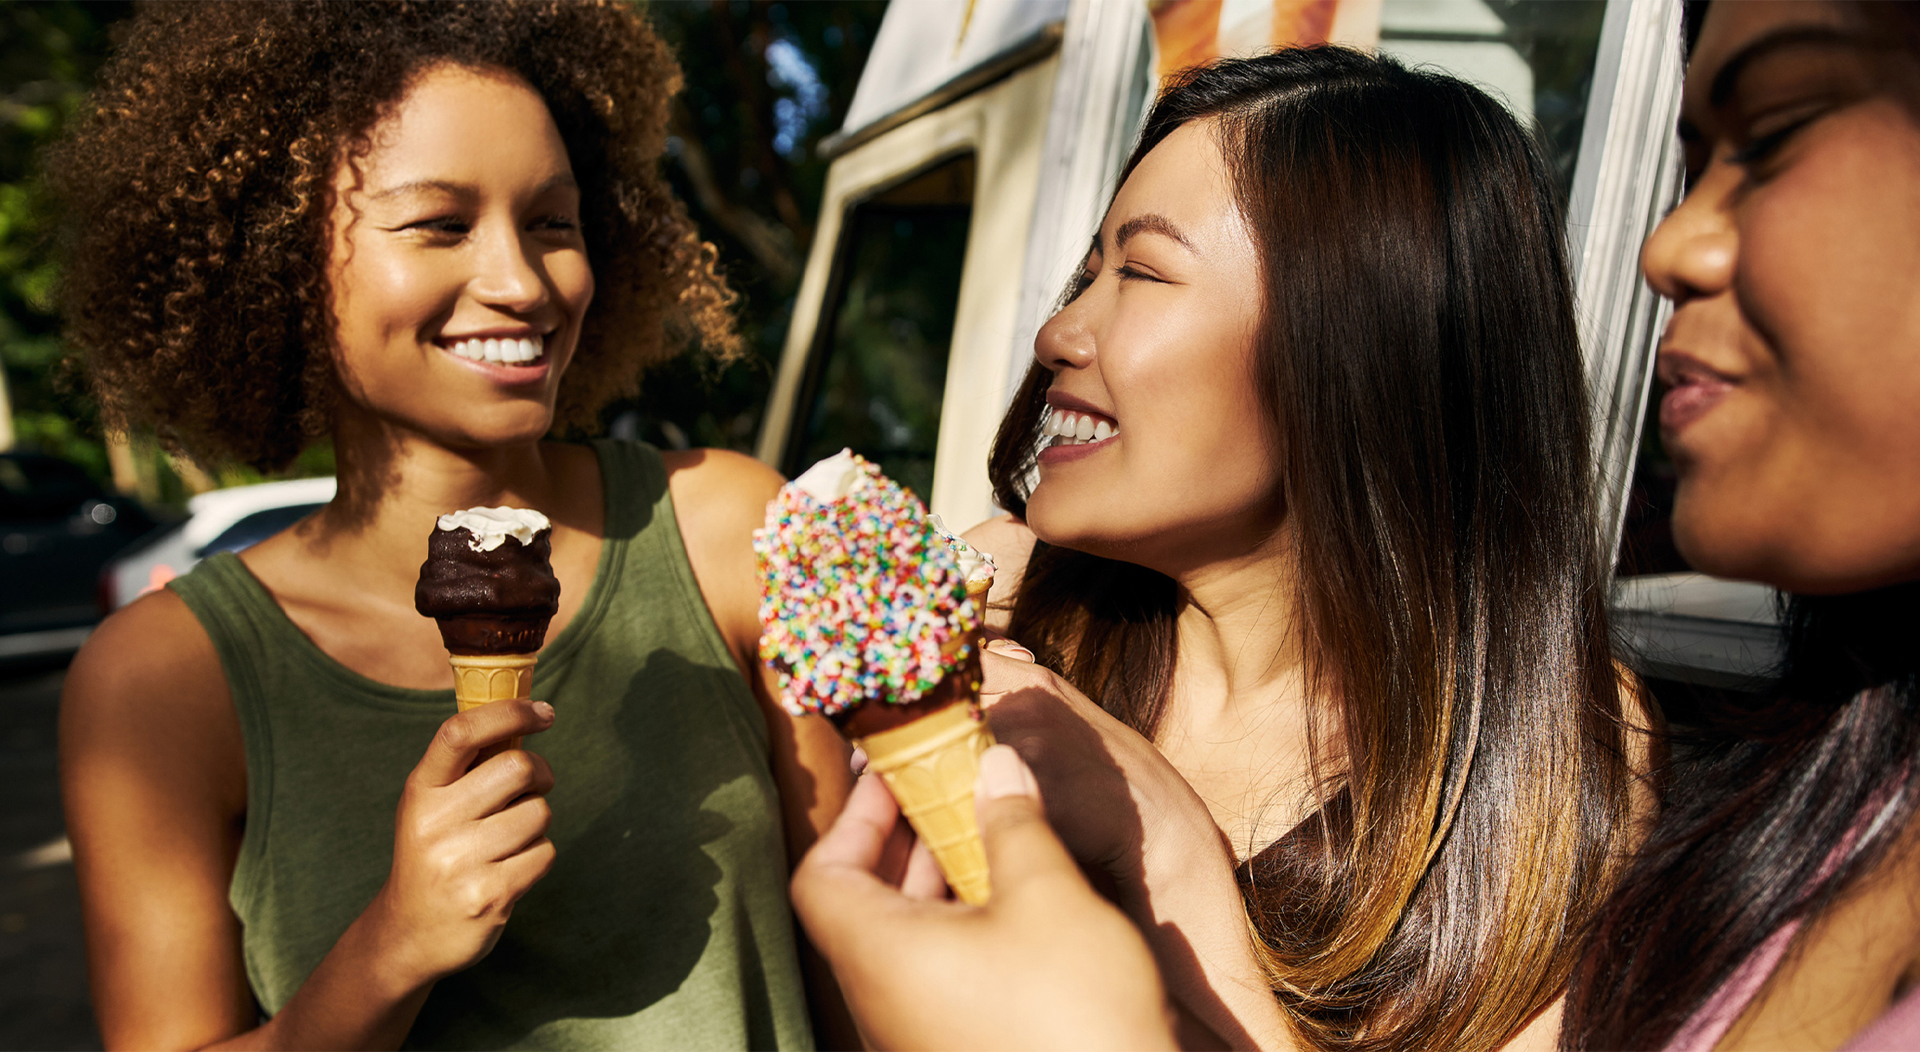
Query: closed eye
[[449, 226], [1128, 273], [1764, 147]]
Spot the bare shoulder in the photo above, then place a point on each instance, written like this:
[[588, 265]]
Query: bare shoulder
[[153, 648], [1010, 543], [1542, 1032], [147, 701], [719, 499], [1005, 538], [719, 487], [1004, 529], [153, 778]]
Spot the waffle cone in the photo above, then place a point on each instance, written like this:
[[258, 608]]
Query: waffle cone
[[479, 679], [931, 765]]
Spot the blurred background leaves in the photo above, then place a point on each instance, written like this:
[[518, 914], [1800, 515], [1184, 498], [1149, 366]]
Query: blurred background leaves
[[765, 81], [48, 55]]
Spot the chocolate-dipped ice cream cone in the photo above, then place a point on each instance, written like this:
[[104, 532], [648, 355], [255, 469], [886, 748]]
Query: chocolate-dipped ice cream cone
[[869, 619], [488, 582]]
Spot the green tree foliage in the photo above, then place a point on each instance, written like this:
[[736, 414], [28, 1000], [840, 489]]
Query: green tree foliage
[[765, 81], [48, 54]]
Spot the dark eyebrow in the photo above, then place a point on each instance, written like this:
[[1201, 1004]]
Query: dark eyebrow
[[1151, 223], [460, 190], [466, 191], [1792, 36]]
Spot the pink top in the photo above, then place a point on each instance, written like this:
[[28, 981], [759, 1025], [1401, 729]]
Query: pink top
[[1712, 1021], [1897, 1030]]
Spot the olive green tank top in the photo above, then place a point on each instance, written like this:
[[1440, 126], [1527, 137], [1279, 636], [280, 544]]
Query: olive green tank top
[[664, 923]]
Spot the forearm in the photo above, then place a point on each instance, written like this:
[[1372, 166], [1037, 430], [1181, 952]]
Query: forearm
[[363, 996], [1191, 912]]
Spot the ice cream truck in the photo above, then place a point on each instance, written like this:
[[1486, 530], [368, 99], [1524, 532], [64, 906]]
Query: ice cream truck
[[984, 140]]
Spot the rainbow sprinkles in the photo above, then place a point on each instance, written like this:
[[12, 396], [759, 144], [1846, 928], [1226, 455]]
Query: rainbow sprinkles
[[861, 598]]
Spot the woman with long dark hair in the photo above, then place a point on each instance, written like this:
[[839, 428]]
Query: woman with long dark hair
[[1304, 459], [1775, 903]]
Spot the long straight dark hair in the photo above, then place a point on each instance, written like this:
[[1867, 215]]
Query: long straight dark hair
[[1778, 803], [1418, 359]]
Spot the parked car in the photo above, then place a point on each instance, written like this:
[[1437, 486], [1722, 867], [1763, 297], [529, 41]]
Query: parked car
[[57, 529], [225, 520]]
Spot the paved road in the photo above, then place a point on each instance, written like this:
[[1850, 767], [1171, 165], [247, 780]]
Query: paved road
[[43, 970]]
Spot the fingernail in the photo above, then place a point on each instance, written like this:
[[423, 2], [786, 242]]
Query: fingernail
[[543, 710], [1008, 648], [1003, 773], [857, 763]]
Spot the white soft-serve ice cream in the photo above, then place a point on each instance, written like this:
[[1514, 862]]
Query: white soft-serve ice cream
[[831, 479], [976, 564], [492, 526]]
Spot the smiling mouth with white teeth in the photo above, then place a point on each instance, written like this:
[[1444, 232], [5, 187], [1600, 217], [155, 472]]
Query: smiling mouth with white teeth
[[1067, 428], [521, 351]]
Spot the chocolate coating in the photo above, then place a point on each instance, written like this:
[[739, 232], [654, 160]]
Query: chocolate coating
[[496, 602], [962, 686]]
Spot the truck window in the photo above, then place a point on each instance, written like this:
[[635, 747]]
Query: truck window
[[878, 369], [1538, 58]]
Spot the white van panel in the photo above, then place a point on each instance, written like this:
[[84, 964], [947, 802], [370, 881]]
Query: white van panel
[[1003, 127], [923, 44]]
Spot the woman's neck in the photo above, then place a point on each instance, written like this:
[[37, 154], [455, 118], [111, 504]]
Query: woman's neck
[[1237, 721], [394, 483], [1238, 628]]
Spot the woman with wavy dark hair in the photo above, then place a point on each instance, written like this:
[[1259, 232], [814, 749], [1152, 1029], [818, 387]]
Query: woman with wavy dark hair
[[382, 224], [1775, 903], [1301, 494]]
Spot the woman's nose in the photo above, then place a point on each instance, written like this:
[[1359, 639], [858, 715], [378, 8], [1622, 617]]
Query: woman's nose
[[510, 276], [1692, 253], [1065, 341]]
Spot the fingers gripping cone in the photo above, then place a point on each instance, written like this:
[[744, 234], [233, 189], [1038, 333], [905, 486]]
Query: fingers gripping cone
[[479, 679]]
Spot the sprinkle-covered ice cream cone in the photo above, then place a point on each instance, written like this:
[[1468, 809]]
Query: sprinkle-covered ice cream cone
[[872, 618]]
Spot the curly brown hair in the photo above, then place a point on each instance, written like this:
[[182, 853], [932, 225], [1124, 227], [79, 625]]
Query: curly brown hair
[[197, 195]]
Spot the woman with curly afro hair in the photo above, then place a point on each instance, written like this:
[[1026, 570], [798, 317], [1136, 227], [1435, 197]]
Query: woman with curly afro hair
[[382, 225]]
